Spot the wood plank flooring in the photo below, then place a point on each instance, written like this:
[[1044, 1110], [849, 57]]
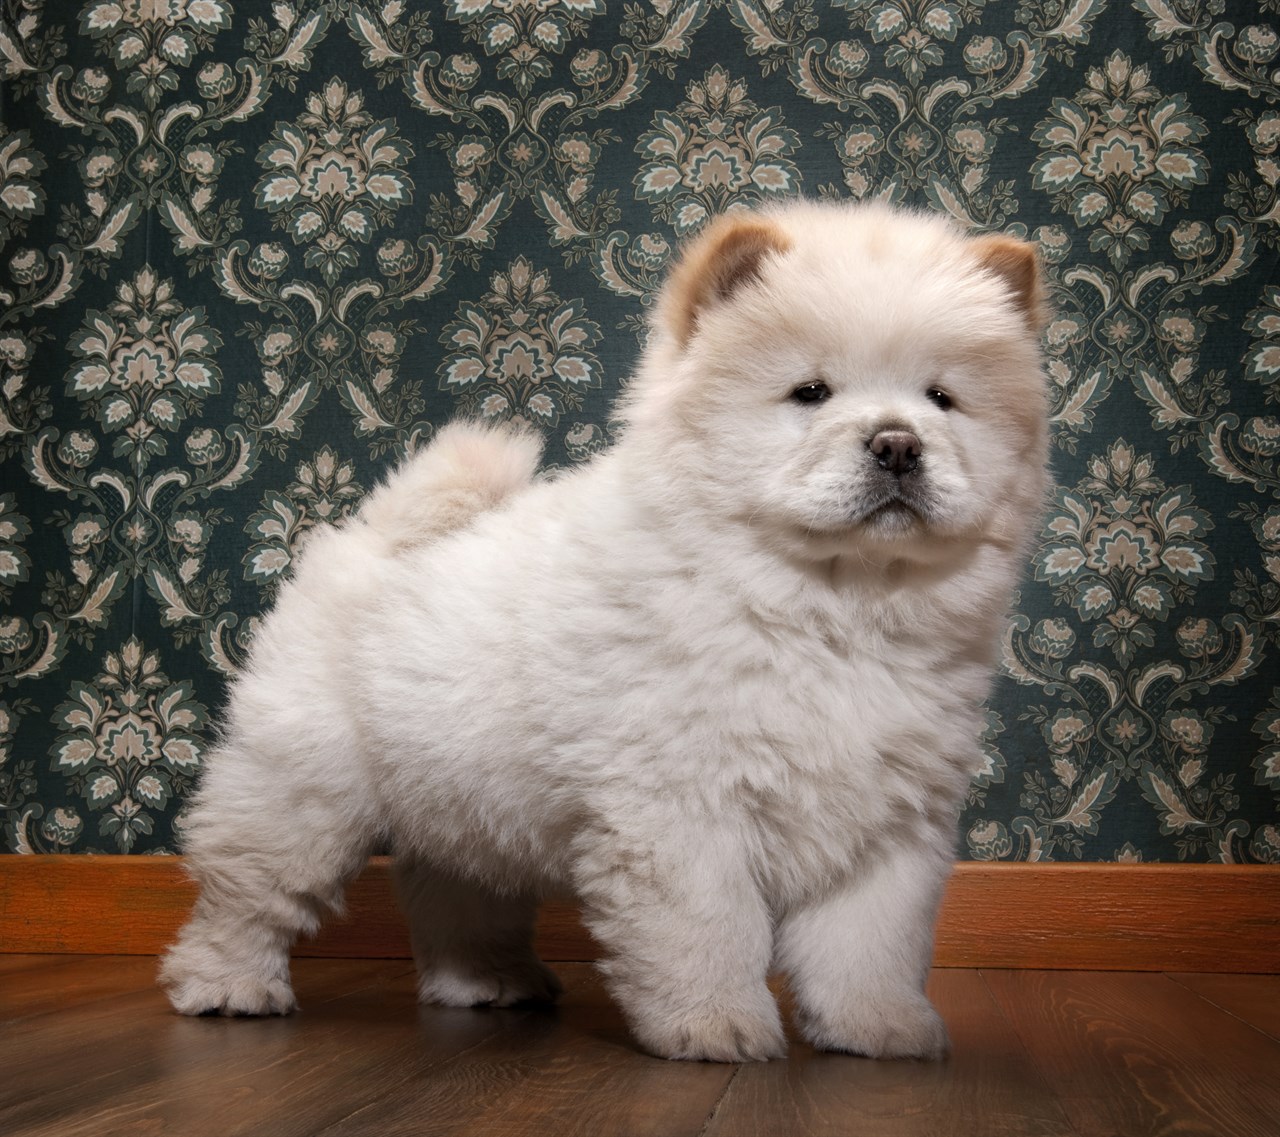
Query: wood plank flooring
[[89, 1047]]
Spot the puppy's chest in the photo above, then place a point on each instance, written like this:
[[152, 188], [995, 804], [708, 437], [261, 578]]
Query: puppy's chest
[[823, 708], [844, 755]]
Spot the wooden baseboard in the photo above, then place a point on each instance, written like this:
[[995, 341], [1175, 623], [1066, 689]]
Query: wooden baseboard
[[1090, 916]]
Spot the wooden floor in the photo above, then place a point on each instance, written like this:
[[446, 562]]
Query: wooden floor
[[88, 1047]]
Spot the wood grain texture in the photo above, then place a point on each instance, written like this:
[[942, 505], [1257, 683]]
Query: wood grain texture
[[17, 962], [987, 1087], [575, 1072], [88, 1047], [1105, 916], [1035, 1054], [1094, 916], [74, 979], [1132, 1056], [1253, 998], [132, 1066]]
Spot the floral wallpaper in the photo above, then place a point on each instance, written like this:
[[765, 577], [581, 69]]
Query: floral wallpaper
[[251, 253]]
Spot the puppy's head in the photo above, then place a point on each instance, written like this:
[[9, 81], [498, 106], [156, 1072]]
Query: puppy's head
[[852, 379]]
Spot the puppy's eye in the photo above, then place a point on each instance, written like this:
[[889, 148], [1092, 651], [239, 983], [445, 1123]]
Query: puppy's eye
[[939, 398], [811, 393]]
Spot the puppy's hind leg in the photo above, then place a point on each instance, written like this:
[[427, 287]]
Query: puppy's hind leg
[[271, 853], [473, 946]]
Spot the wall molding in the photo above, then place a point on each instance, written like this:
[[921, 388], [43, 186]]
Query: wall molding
[[1153, 917]]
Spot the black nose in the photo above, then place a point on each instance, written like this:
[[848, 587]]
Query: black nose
[[897, 451]]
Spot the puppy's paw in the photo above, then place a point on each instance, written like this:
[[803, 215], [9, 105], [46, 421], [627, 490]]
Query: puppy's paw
[[714, 1035], [905, 1027], [527, 981], [200, 981], [244, 996]]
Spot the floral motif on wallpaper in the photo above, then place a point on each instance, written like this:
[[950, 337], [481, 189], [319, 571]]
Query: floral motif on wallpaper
[[251, 255]]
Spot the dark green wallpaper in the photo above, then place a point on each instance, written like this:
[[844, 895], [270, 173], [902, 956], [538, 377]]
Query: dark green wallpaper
[[251, 253]]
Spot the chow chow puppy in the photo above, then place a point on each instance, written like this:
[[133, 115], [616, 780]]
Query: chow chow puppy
[[722, 684]]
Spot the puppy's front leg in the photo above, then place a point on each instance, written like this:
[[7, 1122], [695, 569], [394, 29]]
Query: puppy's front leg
[[688, 936], [857, 958]]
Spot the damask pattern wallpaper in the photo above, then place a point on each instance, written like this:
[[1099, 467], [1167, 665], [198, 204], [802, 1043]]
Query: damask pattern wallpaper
[[254, 252]]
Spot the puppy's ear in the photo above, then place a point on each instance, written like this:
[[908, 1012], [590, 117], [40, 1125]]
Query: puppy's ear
[[728, 254], [1018, 265]]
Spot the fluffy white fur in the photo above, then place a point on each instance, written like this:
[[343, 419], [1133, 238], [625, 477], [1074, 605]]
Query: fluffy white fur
[[723, 683]]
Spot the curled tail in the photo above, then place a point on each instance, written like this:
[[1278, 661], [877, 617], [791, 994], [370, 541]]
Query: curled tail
[[467, 469]]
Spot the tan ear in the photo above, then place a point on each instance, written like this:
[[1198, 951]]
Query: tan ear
[[1018, 265], [729, 253]]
